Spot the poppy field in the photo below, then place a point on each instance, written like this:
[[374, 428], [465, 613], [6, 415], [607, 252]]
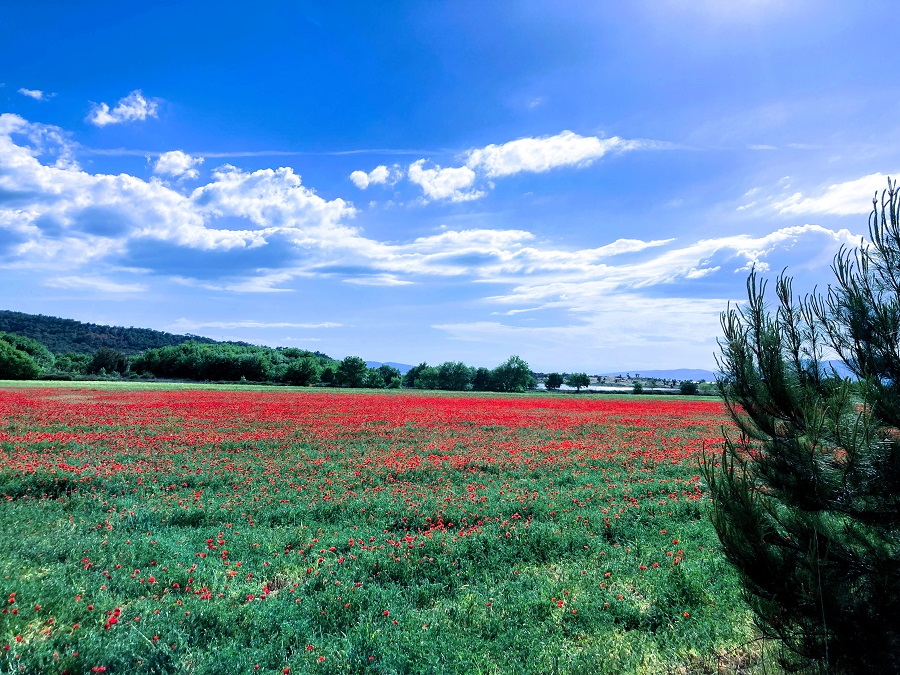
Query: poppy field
[[285, 531]]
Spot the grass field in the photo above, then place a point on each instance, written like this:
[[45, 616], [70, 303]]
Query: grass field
[[204, 530]]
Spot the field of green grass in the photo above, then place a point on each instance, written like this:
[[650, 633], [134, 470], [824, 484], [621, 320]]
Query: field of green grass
[[228, 530]]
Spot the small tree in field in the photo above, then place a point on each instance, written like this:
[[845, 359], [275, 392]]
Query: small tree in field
[[806, 496], [578, 380], [688, 388], [553, 381]]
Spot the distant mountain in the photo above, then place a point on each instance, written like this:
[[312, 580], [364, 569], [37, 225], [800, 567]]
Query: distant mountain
[[402, 367], [693, 374], [67, 335]]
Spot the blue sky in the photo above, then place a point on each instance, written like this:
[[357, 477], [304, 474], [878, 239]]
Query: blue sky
[[584, 184]]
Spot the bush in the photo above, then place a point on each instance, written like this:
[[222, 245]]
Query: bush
[[16, 364]]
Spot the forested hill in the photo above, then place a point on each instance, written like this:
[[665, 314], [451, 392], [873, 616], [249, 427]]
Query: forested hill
[[67, 335]]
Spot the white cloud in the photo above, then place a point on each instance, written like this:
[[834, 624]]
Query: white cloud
[[187, 325], [36, 94], [177, 164], [377, 176], [94, 283], [377, 280], [537, 155], [581, 284], [132, 108], [624, 329], [264, 283], [847, 198], [276, 201], [534, 155], [71, 223], [360, 179], [438, 183], [67, 216]]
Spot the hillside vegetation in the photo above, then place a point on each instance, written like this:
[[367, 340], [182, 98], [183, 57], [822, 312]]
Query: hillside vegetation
[[67, 335]]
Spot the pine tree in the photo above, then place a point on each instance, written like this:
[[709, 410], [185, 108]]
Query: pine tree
[[806, 495]]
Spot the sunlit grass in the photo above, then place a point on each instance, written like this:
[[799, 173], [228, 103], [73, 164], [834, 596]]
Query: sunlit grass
[[357, 532]]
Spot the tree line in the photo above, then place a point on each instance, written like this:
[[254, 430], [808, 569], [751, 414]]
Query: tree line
[[24, 358]]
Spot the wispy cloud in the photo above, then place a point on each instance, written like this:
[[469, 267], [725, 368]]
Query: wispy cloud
[[846, 198], [94, 283], [132, 108], [377, 280], [36, 94], [184, 324], [226, 154]]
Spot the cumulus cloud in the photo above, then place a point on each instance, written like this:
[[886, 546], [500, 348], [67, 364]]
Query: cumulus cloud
[[177, 164], [377, 176], [62, 215], [74, 225], [537, 155], [532, 155], [841, 199], [36, 94], [132, 108], [438, 183]]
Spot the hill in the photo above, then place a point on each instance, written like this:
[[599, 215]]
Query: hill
[[402, 367], [67, 335]]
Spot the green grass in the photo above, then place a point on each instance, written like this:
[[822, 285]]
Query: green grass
[[109, 485]]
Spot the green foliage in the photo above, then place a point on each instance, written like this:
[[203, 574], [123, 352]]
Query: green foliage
[[807, 495], [578, 380], [302, 372], [688, 388], [638, 387], [67, 335], [15, 364], [328, 374], [427, 378], [409, 380], [109, 361], [351, 372], [455, 376], [553, 381], [38, 352], [373, 379], [513, 374], [72, 363], [482, 380], [390, 375]]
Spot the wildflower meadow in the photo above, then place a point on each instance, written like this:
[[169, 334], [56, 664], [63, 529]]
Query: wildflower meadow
[[206, 530]]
